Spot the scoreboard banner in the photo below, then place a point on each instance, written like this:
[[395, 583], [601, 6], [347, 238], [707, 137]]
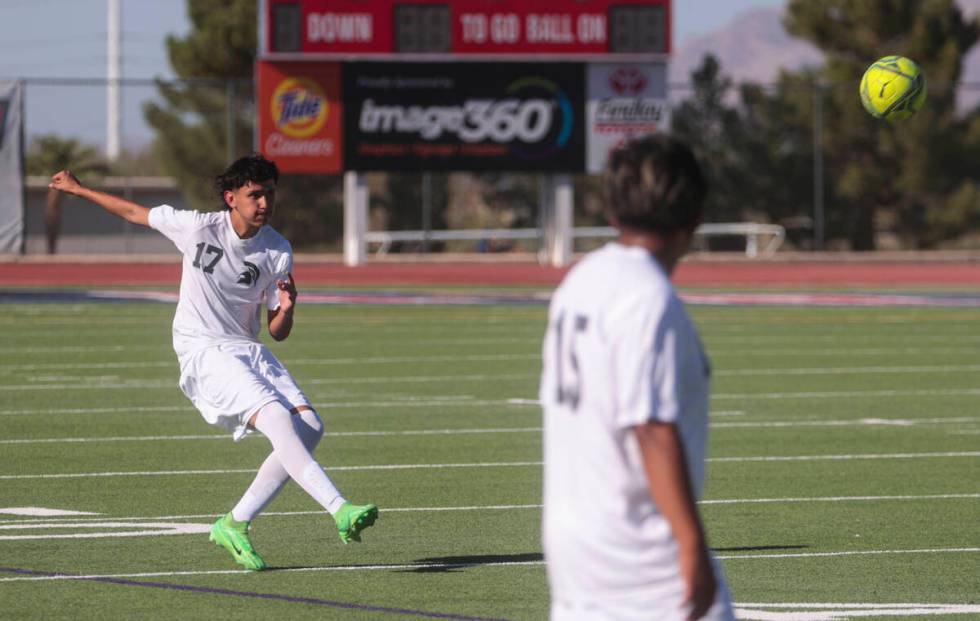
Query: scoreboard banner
[[465, 27], [624, 100], [299, 116], [457, 116]]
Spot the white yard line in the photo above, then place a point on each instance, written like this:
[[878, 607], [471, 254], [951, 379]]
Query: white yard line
[[873, 370], [152, 473], [387, 510], [435, 401], [354, 360], [848, 394], [728, 557], [861, 422], [740, 501], [102, 383], [767, 458], [410, 566], [515, 464], [800, 352], [225, 436]]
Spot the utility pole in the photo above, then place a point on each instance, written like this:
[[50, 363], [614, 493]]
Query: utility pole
[[114, 73]]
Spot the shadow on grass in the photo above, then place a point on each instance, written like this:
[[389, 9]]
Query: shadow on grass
[[457, 563], [759, 548]]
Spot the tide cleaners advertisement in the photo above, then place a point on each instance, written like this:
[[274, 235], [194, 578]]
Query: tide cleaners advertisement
[[300, 116]]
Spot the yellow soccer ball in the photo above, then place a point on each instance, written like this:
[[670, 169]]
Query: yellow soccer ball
[[893, 88]]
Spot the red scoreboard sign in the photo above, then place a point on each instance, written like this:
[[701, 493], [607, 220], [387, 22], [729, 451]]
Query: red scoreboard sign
[[465, 27]]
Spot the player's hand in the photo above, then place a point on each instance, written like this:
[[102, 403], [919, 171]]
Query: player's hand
[[65, 181], [700, 583], [287, 292]]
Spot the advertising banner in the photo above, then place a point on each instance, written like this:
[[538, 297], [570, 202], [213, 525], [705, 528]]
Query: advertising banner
[[464, 116], [299, 116], [11, 168], [624, 100]]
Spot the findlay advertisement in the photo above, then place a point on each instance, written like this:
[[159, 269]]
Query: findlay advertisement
[[464, 116], [625, 100], [300, 116]]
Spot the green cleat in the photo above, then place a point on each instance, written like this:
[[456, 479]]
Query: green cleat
[[352, 519], [233, 536]]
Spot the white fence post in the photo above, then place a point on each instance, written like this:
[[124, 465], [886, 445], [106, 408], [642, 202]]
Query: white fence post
[[563, 195], [355, 219]]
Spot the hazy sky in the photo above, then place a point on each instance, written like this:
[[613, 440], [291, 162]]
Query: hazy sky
[[67, 39]]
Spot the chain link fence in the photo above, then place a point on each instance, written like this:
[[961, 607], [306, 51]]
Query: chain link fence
[[220, 114]]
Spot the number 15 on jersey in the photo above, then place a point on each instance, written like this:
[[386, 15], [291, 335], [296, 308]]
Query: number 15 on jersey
[[567, 329]]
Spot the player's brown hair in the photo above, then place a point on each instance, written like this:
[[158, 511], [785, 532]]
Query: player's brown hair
[[252, 167], [655, 183]]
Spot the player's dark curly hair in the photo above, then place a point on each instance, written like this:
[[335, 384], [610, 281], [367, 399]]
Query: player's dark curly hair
[[253, 167], [654, 183]]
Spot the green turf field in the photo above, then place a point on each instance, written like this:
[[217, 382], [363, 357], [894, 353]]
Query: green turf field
[[845, 466]]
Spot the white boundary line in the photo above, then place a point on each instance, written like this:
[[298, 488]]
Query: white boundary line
[[169, 385], [410, 566], [862, 422], [355, 360], [719, 501], [878, 369], [847, 394], [517, 464], [730, 557]]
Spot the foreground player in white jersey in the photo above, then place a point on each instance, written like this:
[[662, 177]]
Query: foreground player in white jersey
[[625, 395], [233, 265]]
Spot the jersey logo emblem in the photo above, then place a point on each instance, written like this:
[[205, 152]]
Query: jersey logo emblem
[[250, 276]]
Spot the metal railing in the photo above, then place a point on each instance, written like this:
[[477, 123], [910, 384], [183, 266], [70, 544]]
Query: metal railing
[[760, 239]]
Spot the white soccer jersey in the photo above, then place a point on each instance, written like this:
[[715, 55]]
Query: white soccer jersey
[[225, 280], [620, 351]]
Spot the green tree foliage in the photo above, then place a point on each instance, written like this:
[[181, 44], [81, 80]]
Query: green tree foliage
[[912, 178], [907, 172], [713, 127], [49, 154], [215, 64]]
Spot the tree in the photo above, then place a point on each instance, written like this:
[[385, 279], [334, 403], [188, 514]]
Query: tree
[[215, 63], [47, 155], [713, 129], [873, 169]]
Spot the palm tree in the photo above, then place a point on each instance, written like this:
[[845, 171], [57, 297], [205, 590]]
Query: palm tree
[[47, 155]]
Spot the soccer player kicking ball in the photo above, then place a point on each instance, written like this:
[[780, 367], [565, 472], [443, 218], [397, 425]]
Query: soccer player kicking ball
[[625, 393], [234, 263]]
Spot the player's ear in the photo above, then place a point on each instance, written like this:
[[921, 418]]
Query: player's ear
[[229, 198]]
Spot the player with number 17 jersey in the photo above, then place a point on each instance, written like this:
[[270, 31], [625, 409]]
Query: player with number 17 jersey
[[225, 283], [226, 280]]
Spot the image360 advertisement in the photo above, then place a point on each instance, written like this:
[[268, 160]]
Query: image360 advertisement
[[464, 116]]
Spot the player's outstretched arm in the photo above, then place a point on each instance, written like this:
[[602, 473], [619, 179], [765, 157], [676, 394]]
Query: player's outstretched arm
[[65, 181], [670, 486]]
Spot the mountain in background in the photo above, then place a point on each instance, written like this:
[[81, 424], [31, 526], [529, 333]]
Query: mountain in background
[[754, 46]]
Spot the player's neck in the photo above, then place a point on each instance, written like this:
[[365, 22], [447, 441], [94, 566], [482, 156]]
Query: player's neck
[[243, 229], [667, 249]]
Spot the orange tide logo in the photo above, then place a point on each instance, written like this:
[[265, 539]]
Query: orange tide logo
[[299, 107]]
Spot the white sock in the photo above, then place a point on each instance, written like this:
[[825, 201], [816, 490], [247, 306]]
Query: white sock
[[293, 440], [272, 477]]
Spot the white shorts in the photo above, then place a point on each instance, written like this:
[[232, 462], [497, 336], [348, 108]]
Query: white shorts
[[228, 383]]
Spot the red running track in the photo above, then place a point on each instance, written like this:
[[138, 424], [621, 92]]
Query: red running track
[[767, 274]]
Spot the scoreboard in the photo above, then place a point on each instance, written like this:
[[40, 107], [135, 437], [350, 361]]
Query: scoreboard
[[464, 27], [531, 85]]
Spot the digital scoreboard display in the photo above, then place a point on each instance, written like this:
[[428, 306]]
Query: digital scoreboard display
[[465, 27]]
